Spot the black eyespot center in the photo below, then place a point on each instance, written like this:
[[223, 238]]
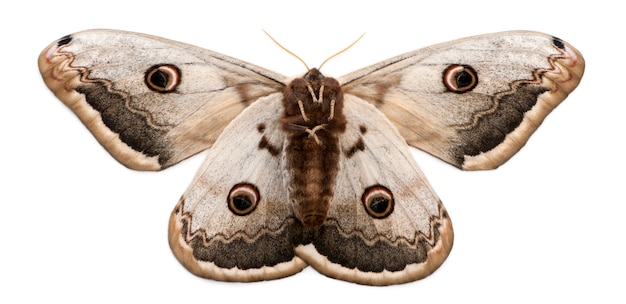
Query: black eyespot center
[[379, 204], [159, 79], [162, 78], [464, 79], [460, 78], [242, 202], [243, 199], [378, 201]]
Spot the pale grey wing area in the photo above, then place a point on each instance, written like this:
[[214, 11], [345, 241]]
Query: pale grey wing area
[[385, 225], [149, 101], [234, 222], [472, 102]]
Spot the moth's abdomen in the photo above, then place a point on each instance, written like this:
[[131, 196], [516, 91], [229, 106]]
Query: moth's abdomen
[[310, 173]]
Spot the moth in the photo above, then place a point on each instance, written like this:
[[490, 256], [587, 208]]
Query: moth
[[311, 170]]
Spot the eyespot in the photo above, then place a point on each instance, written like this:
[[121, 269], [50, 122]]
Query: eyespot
[[52, 51], [64, 40], [460, 78], [558, 43], [162, 78], [378, 201], [243, 199]]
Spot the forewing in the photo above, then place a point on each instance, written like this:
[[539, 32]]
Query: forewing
[[519, 78], [149, 101]]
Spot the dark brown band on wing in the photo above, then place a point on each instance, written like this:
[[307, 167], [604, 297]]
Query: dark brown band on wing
[[133, 126], [497, 133], [490, 129], [354, 252], [267, 248]]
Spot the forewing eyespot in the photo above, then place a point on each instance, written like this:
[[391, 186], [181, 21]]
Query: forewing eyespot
[[162, 78], [460, 78]]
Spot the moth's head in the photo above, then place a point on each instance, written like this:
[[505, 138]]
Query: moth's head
[[313, 76], [316, 80]]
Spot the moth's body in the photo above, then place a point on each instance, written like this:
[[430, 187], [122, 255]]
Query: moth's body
[[314, 171], [313, 120]]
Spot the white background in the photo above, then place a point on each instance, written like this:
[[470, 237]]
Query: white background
[[548, 226]]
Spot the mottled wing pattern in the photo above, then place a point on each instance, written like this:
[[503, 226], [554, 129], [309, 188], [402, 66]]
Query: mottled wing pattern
[[149, 101], [234, 222], [404, 241], [472, 102], [153, 102]]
